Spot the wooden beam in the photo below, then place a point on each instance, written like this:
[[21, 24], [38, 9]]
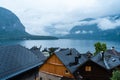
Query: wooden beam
[[51, 73]]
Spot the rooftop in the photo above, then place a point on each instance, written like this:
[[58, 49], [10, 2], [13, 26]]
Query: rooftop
[[110, 61], [68, 56], [15, 59]]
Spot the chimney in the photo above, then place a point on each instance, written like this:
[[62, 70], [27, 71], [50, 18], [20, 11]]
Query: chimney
[[70, 52], [89, 55], [113, 48], [45, 50], [102, 55], [40, 47], [34, 48], [76, 60], [79, 55]]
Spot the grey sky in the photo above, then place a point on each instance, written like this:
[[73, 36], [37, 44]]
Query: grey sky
[[40, 16]]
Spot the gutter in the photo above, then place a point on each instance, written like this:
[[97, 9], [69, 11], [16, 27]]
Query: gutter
[[21, 71]]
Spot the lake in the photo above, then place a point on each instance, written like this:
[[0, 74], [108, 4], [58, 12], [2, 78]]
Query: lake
[[81, 45]]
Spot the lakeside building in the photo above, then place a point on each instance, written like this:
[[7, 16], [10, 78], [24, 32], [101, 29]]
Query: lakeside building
[[19, 63], [69, 64]]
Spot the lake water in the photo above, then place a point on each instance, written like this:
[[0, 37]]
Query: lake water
[[81, 45]]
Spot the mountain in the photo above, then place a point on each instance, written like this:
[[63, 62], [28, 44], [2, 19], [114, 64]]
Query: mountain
[[10, 24], [12, 28], [91, 29]]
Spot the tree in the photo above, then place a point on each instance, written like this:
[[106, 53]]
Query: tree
[[104, 47], [100, 47], [115, 75]]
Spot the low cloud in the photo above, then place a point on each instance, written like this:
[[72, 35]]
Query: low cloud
[[106, 24], [49, 17]]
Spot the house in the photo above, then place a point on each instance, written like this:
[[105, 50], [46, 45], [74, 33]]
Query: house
[[38, 53], [48, 51], [18, 63], [92, 71], [99, 67], [61, 65], [69, 64], [114, 58]]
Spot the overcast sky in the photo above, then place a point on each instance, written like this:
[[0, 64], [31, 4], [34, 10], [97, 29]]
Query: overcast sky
[[47, 17]]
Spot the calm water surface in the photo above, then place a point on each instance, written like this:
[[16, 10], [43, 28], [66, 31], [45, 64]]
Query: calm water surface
[[81, 45]]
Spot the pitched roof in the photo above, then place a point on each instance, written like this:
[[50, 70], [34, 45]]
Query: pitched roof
[[112, 52], [87, 55], [67, 57], [110, 61], [98, 60], [38, 53], [15, 59]]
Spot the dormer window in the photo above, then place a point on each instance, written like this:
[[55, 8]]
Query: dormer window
[[113, 60], [87, 68]]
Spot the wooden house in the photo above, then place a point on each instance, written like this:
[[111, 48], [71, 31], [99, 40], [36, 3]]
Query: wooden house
[[69, 64], [61, 65], [92, 71], [99, 67], [19, 63]]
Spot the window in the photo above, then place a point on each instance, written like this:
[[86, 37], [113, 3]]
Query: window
[[88, 68], [40, 78], [66, 72]]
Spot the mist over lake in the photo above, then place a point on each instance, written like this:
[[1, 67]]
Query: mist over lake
[[81, 45]]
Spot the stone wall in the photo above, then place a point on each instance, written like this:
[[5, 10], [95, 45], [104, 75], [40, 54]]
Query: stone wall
[[45, 76]]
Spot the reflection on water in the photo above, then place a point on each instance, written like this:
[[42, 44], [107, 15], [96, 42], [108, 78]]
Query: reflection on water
[[80, 45]]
